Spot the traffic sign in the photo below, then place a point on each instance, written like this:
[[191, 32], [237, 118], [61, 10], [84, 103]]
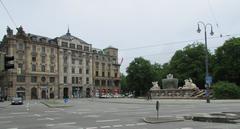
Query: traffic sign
[[208, 80]]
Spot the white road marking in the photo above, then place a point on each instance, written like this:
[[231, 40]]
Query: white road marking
[[108, 120], [49, 125], [5, 122], [47, 118], [117, 126], [68, 123], [104, 127], [83, 110], [91, 116], [142, 113], [187, 128], [18, 113], [37, 115], [6, 117], [51, 111], [130, 124], [12, 128], [141, 123], [60, 109], [110, 111], [80, 113], [91, 127]]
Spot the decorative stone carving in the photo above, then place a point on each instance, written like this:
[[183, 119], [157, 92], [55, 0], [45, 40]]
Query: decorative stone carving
[[9, 31], [170, 76], [20, 31], [155, 86], [189, 85]]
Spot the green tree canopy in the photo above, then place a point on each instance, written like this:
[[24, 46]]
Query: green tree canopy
[[227, 61], [140, 75], [189, 63], [123, 82]]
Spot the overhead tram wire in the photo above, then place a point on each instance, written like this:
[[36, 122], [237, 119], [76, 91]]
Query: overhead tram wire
[[214, 17], [174, 42], [154, 54], [8, 13]]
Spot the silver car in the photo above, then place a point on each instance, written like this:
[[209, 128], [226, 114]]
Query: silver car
[[17, 101]]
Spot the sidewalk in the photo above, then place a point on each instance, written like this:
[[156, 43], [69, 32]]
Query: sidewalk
[[4, 104], [161, 101], [56, 104]]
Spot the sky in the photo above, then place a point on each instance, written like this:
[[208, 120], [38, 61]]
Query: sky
[[153, 29]]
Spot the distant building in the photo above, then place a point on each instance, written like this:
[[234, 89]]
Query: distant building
[[62, 67]]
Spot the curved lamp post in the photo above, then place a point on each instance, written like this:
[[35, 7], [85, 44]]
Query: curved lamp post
[[206, 52]]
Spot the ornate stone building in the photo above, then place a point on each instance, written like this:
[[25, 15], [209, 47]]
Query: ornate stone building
[[36, 69], [75, 66], [106, 71], [65, 66]]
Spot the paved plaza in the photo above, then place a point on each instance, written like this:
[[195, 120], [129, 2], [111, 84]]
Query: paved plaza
[[119, 113]]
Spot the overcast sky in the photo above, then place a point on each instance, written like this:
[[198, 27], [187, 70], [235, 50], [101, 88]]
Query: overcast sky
[[127, 24]]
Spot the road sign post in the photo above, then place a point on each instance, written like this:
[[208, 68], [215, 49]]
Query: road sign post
[[157, 108]]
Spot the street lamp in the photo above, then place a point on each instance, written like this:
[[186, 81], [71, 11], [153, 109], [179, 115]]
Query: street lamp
[[206, 53]]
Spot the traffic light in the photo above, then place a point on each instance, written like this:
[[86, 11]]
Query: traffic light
[[7, 64], [1, 62]]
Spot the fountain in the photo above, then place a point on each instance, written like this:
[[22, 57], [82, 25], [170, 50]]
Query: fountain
[[170, 88]]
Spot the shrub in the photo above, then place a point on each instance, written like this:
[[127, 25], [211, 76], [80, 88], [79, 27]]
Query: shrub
[[226, 90]]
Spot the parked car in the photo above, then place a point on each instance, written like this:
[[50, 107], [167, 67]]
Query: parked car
[[17, 101], [109, 96], [130, 96], [103, 96], [1, 99]]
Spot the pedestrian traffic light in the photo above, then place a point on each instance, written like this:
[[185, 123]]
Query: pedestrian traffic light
[[7, 64]]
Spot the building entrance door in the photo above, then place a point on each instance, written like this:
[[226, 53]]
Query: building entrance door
[[44, 94], [65, 93], [34, 93], [88, 90]]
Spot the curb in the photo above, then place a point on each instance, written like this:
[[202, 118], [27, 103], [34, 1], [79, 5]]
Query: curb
[[217, 117], [167, 119], [5, 106], [55, 106]]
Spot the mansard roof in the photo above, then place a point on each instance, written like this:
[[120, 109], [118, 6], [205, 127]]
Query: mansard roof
[[70, 37], [41, 39]]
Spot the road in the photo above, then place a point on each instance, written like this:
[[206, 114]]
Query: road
[[111, 114]]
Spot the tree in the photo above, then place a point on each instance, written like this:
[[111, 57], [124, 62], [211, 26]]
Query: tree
[[123, 82], [226, 90], [227, 61], [140, 76], [189, 63]]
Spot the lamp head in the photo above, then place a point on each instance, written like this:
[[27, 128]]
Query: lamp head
[[198, 30], [211, 33]]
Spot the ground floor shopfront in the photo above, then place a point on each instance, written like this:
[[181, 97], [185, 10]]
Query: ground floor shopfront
[[107, 90]]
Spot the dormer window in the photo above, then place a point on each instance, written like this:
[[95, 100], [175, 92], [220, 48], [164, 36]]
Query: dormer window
[[79, 47], [34, 38], [43, 40], [72, 45], [64, 44], [86, 48]]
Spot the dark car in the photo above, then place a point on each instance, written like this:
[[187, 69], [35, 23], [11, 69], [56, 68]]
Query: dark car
[[1, 99], [17, 101]]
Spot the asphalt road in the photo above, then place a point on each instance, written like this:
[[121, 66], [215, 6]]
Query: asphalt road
[[111, 114]]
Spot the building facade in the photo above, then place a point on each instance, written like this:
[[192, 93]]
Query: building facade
[[75, 67], [62, 67], [106, 75]]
